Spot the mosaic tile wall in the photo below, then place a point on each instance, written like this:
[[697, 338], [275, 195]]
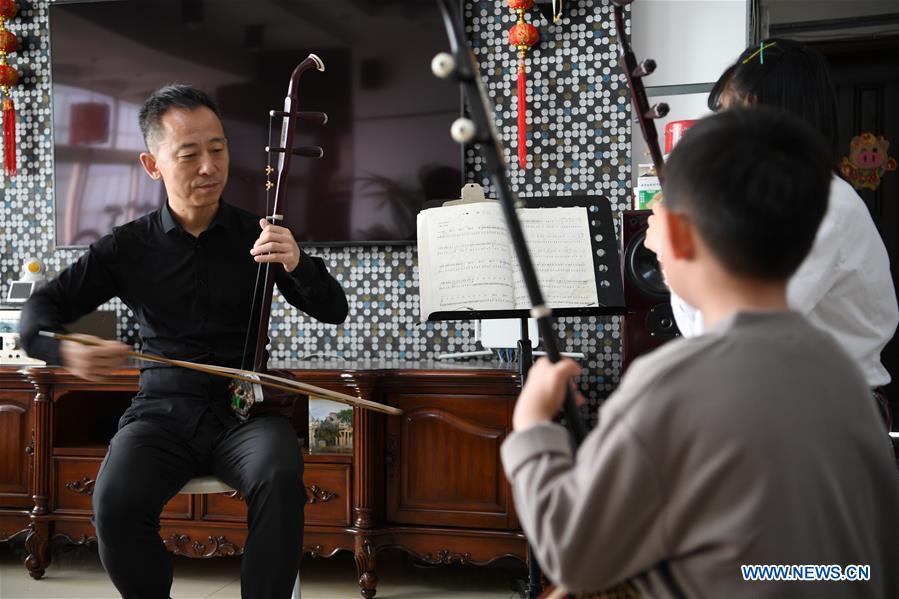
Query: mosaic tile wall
[[578, 143]]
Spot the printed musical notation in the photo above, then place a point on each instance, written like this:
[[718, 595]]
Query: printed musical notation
[[559, 240], [467, 261]]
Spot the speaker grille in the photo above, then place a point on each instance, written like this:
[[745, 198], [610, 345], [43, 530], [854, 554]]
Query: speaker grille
[[642, 268]]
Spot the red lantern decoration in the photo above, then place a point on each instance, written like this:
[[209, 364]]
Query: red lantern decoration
[[522, 36], [8, 41], [9, 77], [8, 9]]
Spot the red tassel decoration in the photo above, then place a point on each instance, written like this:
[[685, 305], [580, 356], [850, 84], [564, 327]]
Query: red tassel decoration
[[522, 114], [9, 77], [522, 36], [9, 137]]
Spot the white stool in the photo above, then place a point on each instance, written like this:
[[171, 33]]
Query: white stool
[[204, 485]]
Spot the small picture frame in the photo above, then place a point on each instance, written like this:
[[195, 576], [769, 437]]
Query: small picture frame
[[330, 426]]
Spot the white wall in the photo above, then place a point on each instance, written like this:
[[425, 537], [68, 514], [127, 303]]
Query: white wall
[[692, 41]]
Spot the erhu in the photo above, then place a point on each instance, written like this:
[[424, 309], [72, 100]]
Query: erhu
[[481, 130], [246, 397]]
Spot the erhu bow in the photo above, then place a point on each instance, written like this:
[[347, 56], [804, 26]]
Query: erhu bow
[[259, 378]]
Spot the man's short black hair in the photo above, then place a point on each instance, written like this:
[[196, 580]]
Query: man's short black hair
[[165, 98], [755, 183], [785, 74]]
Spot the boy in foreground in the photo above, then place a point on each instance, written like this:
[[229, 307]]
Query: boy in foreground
[[755, 443]]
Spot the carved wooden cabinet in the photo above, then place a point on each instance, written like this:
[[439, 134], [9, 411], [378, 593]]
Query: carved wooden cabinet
[[428, 485], [447, 499], [16, 454], [429, 482]]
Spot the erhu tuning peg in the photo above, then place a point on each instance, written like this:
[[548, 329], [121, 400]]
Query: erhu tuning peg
[[316, 118], [645, 67], [443, 65], [304, 151], [657, 111], [309, 152], [463, 130]]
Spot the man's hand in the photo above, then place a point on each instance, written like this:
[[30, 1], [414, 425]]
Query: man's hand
[[651, 241], [93, 362], [276, 244], [544, 391]]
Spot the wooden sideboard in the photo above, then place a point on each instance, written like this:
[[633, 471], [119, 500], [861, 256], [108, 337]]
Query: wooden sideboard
[[429, 482]]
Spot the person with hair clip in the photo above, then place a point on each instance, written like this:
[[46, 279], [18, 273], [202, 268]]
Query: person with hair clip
[[844, 285]]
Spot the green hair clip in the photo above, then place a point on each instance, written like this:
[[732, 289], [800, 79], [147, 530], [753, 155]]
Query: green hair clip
[[760, 52]]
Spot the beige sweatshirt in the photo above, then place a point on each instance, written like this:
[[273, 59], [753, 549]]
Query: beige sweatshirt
[[756, 443]]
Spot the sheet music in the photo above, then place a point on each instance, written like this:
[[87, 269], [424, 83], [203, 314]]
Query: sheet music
[[559, 243], [464, 259], [467, 261]]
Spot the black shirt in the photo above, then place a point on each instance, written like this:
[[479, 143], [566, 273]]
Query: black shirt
[[191, 297]]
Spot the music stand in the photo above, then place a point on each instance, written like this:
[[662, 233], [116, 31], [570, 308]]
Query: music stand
[[609, 291]]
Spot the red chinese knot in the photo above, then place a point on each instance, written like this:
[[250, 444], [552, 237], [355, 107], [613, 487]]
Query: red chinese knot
[[522, 36]]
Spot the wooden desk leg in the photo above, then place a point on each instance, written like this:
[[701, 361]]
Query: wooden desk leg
[[365, 567], [37, 543]]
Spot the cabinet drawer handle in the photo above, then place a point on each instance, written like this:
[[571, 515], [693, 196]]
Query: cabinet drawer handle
[[316, 494], [84, 486], [29, 449]]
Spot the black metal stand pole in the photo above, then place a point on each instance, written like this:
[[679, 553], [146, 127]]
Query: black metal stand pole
[[525, 360]]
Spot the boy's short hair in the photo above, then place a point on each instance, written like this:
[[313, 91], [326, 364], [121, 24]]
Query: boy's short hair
[[784, 74], [755, 184], [176, 95]]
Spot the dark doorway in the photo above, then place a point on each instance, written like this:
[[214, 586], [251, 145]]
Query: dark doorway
[[866, 75]]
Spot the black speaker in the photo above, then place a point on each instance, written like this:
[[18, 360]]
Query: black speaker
[[649, 321]]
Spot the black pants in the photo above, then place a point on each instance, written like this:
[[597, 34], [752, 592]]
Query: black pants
[[147, 464]]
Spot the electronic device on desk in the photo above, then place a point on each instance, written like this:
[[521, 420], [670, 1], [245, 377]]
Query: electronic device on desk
[[33, 274], [100, 323], [11, 353]]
